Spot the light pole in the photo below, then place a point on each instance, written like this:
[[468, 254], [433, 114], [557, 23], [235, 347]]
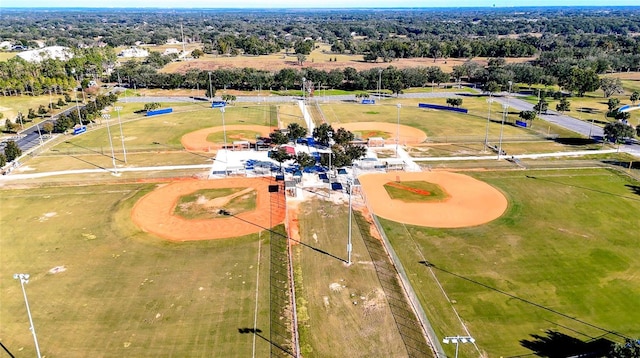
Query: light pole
[[379, 83], [303, 85], [24, 278], [75, 92], [330, 135], [486, 134], [350, 213], [505, 108], [398, 129], [124, 150], [457, 340], [107, 116], [210, 88]]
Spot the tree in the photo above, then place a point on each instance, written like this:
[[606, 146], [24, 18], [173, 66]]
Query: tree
[[528, 116], [197, 53], [617, 131], [280, 155], [304, 160], [629, 349], [48, 127], [582, 81], [613, 103], [343, 136], [42, 111], [61, 102], [9, 126], [31, 114], [635, 96], [454, 102], [278, 137], [3, 160], [321, 133], [491, 87], [541, 106], [301, 58], [296, 131], [563, 106], [12, 151], [610, 86], [151, 106]]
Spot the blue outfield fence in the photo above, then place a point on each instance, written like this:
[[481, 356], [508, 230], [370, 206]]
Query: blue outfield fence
[[442, 108], [521, 123], [155, 112], [79, 130], [368, 101], [218, 104]]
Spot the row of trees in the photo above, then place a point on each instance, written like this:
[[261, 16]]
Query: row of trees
[[87, 114], [343, 151]]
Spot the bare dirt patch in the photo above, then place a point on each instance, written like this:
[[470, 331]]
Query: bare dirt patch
[[471, 202], [154, 212]]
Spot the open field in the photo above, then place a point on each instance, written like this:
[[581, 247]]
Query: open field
[[566, 243], [342, 305], [11, 105], [4, 56], [119, 291]]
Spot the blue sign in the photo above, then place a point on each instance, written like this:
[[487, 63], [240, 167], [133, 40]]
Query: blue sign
[[368, 101], [521, 123], [155, 112], [218, 104], [79, 130], [442, 108]]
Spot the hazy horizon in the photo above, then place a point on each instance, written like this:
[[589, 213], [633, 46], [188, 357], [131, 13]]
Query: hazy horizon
[[326, 4]]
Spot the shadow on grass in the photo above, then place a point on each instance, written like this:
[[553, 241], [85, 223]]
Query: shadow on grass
[[6, 350], [585, 188], [574, 141], [257, 332], [88, 162], [560, 345]]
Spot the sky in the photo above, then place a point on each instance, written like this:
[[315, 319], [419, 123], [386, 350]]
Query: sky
[[308, 3]]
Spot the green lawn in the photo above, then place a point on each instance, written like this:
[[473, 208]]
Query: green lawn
[[415, 191], [124, 293], [566, 243], [198, 205]]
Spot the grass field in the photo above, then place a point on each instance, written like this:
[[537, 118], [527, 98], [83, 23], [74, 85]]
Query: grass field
[[202, 203], [415, 191], [566, 243], [336, 304], [123, 293]]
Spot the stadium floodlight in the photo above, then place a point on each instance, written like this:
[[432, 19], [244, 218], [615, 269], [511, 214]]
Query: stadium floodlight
[[24, 278], [124, 150], [107, 116], [457, 340], [398, 129], [351, 183], [486, 134]]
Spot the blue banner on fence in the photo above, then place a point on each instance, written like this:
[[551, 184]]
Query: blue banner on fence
[[218, 104], [443, 108], [155, 112], [368, 101], [521, 123], [79, 130]]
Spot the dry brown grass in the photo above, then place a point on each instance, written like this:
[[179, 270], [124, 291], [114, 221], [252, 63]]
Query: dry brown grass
[[318, 59]]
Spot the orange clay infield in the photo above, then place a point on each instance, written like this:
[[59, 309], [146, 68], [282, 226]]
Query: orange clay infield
[[406, 135], [197, 141], [471, 202], [154, 212]]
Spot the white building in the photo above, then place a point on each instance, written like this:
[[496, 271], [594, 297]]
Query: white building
[[134, 52], [38, 55]]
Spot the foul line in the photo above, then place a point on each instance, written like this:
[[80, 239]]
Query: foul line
[[255, 313], [441, 288]]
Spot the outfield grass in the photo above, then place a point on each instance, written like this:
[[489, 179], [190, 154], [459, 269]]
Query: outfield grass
[[330, 323], [124, 292], [567, 242]]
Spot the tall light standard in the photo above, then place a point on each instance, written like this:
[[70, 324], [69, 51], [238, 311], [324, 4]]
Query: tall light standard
[[124, 150], [75, 92], [398, 129], [457, 340], [331, 142], [107, 116], [379, 83], [505, 113], [486, 134], [351, 183], [210, 88], [303, 85], [24, 278]]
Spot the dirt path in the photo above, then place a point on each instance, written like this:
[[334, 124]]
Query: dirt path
[[154, 212], [471, 202]]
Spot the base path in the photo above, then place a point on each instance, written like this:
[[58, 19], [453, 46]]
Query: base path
[[154, 212], [197, 141], [407, 135], [471, 202]]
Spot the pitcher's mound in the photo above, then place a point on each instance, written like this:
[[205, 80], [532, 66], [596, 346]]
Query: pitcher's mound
[[470, 202]]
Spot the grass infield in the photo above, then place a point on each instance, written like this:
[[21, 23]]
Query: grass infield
[[415, 191], [205, 204]]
